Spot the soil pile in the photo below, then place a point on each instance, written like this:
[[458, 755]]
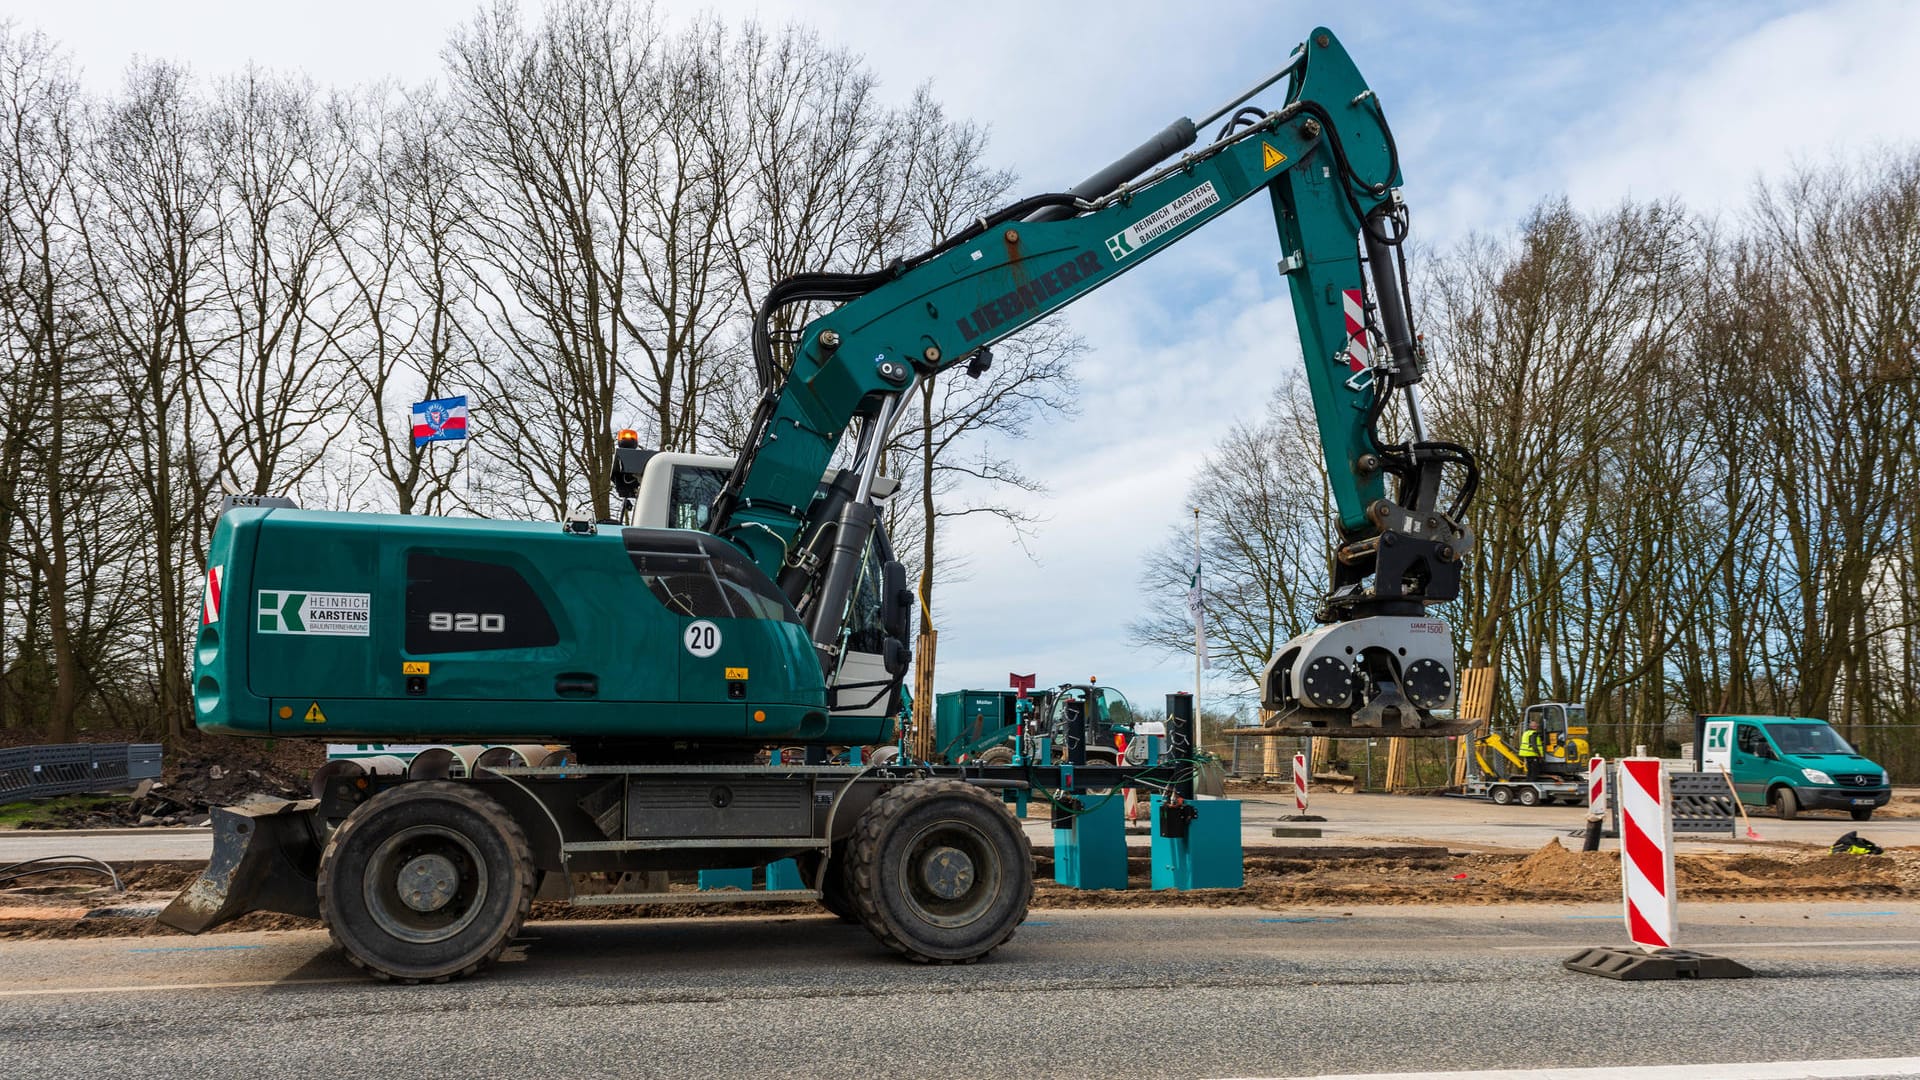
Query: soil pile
[[1277, 877], [1554, 869]]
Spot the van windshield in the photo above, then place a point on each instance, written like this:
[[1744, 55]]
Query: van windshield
[[1807, 739]]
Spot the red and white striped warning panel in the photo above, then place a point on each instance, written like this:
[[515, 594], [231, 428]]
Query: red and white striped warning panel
[[1597, 787], [210, 602], [1300, 782], [1359, 355], [1646, 852]]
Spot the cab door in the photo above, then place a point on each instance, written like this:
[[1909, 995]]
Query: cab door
[[1753, 763]]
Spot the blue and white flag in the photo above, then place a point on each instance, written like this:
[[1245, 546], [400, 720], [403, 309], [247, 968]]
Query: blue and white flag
[[441, 418]]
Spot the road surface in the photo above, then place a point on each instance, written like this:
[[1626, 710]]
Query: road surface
[[1141, 993]]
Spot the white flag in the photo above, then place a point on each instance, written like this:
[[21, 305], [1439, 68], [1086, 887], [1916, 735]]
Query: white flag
[[1197, 611]]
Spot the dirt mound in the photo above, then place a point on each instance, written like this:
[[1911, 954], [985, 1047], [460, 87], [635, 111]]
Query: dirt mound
[[1554, 868]]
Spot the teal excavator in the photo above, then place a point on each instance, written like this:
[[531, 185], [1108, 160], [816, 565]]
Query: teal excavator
[[738, 604]]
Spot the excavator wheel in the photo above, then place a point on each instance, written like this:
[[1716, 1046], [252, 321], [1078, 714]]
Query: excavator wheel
[[426, 882], [941, 873]]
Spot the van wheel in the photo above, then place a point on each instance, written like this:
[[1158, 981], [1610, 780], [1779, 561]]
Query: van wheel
[[1786, 803], [1862, 813], [1529, 796], [1501, 796]]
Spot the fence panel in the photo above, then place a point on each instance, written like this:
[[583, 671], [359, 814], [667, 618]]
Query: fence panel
[[36, 772]]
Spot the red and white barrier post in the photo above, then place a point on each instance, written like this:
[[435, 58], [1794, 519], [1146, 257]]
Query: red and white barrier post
[[1646, 853], [1300, 783], [1597, 787], [1647, 886]]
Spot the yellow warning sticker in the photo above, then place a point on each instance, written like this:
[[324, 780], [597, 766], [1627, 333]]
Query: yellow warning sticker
[[314, 715], [1269, 157], [737, 674], [415, 667]]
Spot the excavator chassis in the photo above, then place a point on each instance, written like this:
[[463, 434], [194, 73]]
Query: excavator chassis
[[425, 880]]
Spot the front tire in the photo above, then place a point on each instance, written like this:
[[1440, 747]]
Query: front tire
[[940, 871], [1501, 796], [1861, 813], [996, 755], [1786, 803], [426, 882]]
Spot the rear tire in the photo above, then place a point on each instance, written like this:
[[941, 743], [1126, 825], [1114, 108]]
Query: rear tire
[[1529, 796], [1861, 813], [997, 755], [426, 882], [940, 871], [1501, 796], [1786, 803]]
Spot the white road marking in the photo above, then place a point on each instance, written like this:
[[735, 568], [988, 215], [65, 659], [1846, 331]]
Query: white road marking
[[1753, 1070], [157, 988], [1844, 943]]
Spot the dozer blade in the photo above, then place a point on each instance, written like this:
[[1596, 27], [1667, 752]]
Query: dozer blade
[[266, 857]]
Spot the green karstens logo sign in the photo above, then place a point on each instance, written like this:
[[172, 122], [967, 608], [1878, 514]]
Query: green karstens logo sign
[[328, 614], [1717, 735]]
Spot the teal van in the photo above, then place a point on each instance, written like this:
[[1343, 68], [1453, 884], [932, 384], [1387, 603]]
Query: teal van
[[1791, 763]]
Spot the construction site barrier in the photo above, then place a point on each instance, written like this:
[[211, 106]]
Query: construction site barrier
[[1300, 783], [33, 772], [1703, 804], [1646, 852]]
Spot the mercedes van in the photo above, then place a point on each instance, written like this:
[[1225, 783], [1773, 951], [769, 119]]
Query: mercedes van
[[1791, 763]]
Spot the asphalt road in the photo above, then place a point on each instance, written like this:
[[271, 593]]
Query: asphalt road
[[1190, 992]]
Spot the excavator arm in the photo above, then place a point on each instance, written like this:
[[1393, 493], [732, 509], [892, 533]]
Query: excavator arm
[[1328, 163]]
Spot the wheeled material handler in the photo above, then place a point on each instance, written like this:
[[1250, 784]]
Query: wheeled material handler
[[669, 653]]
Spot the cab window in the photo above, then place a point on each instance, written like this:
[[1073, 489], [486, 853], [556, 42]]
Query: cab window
[[1752, 742], [691, 498]]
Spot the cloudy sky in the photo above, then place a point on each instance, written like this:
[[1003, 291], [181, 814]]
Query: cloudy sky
[[1495, 106]]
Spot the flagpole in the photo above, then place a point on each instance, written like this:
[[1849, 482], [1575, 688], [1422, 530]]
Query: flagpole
[[1199, 631]]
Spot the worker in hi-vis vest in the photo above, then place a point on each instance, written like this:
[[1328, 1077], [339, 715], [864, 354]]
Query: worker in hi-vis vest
[[1532, 747]]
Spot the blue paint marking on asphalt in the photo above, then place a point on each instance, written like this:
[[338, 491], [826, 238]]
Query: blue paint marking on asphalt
[[200, 948], [1031, 923], [1615, 918], [1314, 918], [1855, 914]]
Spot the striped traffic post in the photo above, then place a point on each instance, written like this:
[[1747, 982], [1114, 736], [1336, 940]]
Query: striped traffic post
[[1644, 794], [1300, 783], [1596, 803], [1646, 853]]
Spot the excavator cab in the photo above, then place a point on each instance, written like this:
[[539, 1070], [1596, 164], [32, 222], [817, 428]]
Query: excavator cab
[[1564, 727], [676, 491]]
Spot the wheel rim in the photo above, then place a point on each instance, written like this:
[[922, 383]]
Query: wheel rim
[[425, 884], [950, 874]]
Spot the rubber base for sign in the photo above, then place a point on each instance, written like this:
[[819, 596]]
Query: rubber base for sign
[[1297, 832], [1633, 965]]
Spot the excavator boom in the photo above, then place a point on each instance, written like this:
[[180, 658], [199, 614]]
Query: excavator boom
[[1328, 163]]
